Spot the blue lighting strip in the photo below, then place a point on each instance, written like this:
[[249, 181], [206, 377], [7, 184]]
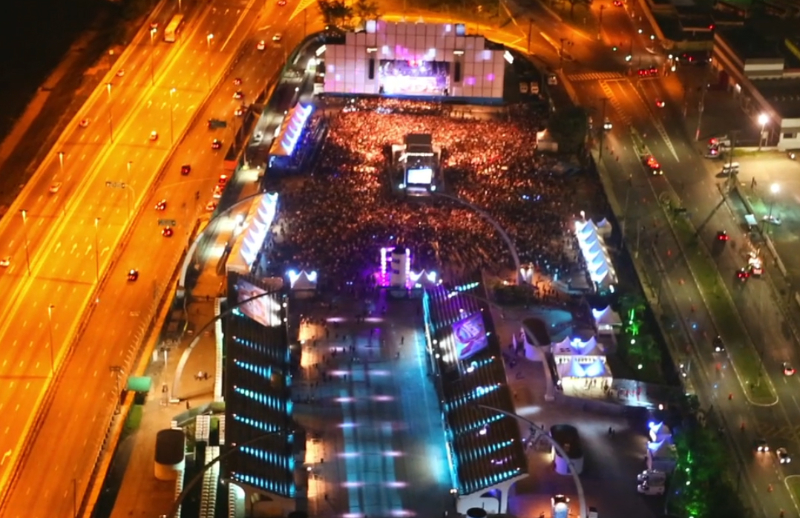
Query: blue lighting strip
[[295, 128]]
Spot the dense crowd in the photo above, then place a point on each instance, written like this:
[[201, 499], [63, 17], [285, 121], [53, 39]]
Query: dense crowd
[[337, 219]]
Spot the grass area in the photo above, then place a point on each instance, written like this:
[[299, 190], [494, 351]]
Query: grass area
[[735, 336], [133, 421]]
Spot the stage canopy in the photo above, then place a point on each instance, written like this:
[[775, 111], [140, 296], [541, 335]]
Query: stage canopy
[[574, 347]]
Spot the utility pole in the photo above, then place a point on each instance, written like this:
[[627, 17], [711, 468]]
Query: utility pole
[[600, 23], [732, 177], [603, 100], [116, 369], [530, 32]]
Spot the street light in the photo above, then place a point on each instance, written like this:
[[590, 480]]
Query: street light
[[52, 344], [96, 250], [208, 46], [763, 119], [152, 51], [25, 231], [110, 120], [171, 135]]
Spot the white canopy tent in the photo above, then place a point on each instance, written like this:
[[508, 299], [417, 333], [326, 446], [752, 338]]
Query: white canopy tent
[[606, 320], [595, 253]]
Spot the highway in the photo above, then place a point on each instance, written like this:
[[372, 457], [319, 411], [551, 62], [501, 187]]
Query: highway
[[64, 238], [689, 178]]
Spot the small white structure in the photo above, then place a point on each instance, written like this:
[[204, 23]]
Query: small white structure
[[302, 281], [607, 321], [401, 267], [662, 455]]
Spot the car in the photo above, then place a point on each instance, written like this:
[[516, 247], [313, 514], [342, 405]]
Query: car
[[607, 124], [775, 220], [54, 187], [216, 144], [722, 235], [258, 137], [223, 180], [261, 45], [742, 274], [237, 81], [762, 446], [238, 112], [281, 2], [649, 489], [84, 123], [718, 344], [277, 37], [783, 456], [120, 72], [186, 169], [153, 136], [617, 3], [788, 370], [659, 103], [648, 72], [238, 94], [154, 25], [211, 206], [653, 165], [167, 231], [162, 205], [713, 152], [5, 262], [133, 274], [218, 191]]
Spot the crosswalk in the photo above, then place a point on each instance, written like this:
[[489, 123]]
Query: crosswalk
[[782, 433], [614, 102], [595, 76]]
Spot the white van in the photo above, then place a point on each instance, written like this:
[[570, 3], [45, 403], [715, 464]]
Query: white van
[[719, 142], [649, 489], [652, 477]]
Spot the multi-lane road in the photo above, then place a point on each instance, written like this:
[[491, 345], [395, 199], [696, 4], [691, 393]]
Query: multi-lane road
[[631, 103], [66, 241]]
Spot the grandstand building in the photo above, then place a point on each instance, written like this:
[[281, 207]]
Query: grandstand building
[[258, 407], [485, 452], [415, 59]]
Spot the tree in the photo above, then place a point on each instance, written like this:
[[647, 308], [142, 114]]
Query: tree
[[366, 10], [568, 127]]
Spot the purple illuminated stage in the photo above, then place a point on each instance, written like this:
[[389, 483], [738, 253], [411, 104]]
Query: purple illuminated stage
[[412, 279], [414, 77]]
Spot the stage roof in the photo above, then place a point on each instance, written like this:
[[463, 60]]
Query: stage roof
[[486, 446], [257, 400]]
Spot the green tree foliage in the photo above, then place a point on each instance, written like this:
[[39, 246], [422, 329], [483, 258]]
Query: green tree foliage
[[568, 127], [701, 488]]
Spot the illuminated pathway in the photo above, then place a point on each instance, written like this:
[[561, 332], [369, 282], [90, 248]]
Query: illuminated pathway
[[377, 414]]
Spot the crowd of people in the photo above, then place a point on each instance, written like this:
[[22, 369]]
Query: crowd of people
[[337, 218]]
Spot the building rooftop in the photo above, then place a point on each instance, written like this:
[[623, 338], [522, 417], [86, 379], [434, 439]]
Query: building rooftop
[[782, 94], [486, 447], [748, 42]]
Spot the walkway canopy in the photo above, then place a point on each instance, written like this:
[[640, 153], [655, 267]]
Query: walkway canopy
[[593, 248], [256, 225], [290, 131]]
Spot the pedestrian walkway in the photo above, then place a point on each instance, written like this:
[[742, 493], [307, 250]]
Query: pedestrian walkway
[[596, 76]]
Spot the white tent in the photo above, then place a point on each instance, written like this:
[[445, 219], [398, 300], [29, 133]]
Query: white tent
[[606, 320], [303, 280], [594, 251], [660, 432], [604, 228]]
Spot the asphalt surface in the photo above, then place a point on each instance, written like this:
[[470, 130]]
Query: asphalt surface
[[631, 103], [71, 434]]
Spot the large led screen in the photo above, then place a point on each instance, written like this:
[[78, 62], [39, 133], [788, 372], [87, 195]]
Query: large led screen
[[414, 77], [265, 309], [470, 336], [420, 176]]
